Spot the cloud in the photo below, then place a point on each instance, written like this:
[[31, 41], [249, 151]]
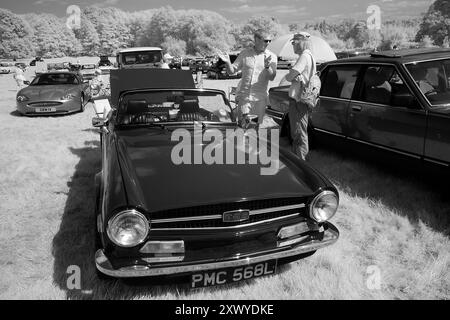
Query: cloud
[[268, 10], [44, 2], [106, 3]]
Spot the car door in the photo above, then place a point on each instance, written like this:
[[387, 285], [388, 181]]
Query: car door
[[385, 114], [330, 115]]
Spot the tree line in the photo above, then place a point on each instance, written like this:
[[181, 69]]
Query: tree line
[[198, 32]]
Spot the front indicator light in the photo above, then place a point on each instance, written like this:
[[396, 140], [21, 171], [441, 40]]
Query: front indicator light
[[21, 98], [128, 228], [68, 97], [324, 206]]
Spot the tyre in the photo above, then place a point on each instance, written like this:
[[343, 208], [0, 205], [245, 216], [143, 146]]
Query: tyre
[[82, 103]]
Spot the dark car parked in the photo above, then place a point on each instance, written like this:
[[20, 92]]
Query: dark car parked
[[33, 62], [175, 63], [396, 101], [104, 62], [216, 222], [198, 64], [218, 69]]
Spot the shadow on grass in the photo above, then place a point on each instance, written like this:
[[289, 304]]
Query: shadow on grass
[[15, 113], [406, 187]]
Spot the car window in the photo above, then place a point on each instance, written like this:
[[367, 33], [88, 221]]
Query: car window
[[383, 85], [339, 81], [433, 80]]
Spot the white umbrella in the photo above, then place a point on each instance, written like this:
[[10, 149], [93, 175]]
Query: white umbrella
[[321, 50]]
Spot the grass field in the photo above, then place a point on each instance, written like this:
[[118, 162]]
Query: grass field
[[395, 227]]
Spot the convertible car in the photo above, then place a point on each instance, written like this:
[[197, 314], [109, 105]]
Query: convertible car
[[217, 222], [53, 93], [390, 103]]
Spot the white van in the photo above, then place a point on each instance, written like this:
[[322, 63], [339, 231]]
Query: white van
[[140, 57]]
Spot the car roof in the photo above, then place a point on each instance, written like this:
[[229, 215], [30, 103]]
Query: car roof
[[59, 72], [140, 49], [400, 56]]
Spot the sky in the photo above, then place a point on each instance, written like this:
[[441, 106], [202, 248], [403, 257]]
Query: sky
[[286, 11]]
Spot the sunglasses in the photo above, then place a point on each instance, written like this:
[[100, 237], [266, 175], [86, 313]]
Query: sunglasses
[[265, 40], [295, 41]]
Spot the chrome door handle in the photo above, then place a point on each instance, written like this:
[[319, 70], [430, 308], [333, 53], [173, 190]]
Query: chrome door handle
[[356, 108]]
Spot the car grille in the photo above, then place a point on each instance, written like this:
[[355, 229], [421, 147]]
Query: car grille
[[44, 104], [211, 216]]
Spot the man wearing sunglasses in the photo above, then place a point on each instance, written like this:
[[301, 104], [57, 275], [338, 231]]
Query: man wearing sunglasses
[[258, 66]]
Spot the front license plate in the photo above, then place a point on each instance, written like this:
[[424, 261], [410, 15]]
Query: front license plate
[[234, 274], [45, 109]]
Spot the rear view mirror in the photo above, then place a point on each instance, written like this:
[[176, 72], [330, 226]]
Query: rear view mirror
[[99, 122]]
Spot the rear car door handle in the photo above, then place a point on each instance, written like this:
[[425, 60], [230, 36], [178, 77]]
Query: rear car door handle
[[356, 108]]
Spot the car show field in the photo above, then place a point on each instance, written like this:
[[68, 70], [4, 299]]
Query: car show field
[[394, 225]]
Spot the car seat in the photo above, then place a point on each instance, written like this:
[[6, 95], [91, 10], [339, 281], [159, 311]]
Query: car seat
[[377, 88]]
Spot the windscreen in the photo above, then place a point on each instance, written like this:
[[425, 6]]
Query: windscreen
[[173, 106], [55, 79], [141, 57]]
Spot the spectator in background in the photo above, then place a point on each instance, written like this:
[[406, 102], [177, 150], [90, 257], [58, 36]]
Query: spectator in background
[[167, 58], [19, 77], [259, 66], [97, 85]]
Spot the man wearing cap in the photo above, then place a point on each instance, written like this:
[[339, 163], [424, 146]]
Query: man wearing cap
[[302, 71], [258, 66]]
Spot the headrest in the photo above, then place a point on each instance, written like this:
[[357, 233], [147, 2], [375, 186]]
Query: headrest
[[374, 78], [189, 106], [136, 106]]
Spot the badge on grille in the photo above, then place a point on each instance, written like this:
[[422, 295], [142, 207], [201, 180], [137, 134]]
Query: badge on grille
[[236, 215]]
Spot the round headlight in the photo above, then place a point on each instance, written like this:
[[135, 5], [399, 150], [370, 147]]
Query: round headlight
[[324, 206], [128, 228]]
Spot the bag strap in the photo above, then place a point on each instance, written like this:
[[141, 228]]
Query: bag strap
[[313, 69]]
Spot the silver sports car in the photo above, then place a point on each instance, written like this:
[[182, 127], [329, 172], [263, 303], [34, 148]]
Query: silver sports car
[[54, 93]]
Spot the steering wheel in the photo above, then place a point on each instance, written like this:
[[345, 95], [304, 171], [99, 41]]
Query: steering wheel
[[431, 91]]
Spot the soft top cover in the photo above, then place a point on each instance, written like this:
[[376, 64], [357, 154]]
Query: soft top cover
[[150, 78]]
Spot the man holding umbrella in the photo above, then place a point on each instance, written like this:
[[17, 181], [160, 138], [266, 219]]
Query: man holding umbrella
[[258, 66]]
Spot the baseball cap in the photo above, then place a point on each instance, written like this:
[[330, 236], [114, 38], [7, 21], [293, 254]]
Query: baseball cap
[[301, 36]]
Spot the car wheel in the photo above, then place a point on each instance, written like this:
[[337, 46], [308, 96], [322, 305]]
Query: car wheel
[[83, 105]]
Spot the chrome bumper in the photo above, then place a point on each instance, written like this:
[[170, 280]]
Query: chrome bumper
[[104, 265]]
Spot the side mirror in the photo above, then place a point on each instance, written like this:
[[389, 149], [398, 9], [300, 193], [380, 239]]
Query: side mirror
[[406, 100], [116, 65], [98, 122], [26, 82]]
